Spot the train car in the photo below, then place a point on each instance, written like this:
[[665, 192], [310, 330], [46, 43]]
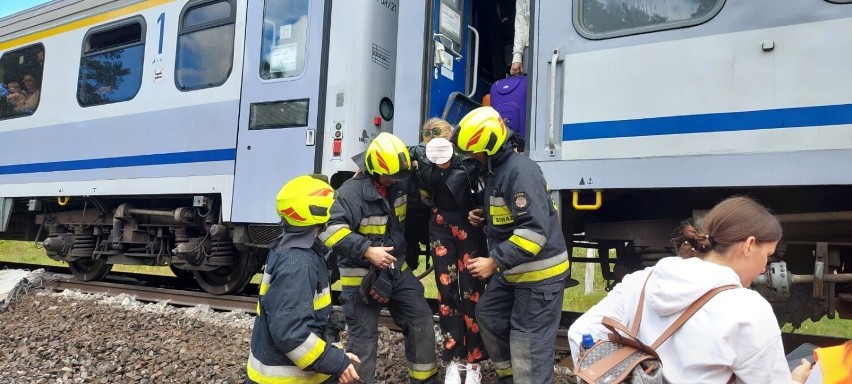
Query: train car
[[158, 132], [647, 112], [190, 114]]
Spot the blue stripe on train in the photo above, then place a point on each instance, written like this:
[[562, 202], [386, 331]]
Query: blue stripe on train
[[712, 122], [123, 161]]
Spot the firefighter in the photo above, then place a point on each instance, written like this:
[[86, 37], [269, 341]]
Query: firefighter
[[519, 312], [295, 302], [366, 231]]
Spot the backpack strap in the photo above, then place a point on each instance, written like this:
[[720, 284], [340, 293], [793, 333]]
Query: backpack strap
[[694, 307], [637, 318]]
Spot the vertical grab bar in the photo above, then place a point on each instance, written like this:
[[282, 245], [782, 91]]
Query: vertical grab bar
[[475, 62], [551, 104]]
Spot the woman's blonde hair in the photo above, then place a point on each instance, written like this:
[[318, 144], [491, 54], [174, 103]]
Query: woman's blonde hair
[[436, 122]]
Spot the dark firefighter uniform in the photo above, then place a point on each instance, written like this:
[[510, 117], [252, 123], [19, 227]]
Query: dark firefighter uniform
[[293, 310], [525, 239], [360, 218]]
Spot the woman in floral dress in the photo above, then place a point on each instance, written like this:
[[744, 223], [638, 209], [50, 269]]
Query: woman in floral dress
[[449, 183]]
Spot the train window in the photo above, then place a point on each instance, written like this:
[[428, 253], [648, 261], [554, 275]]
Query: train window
[[601, 19], [21, 71], [285, 32], [205, 47], [111, 63]]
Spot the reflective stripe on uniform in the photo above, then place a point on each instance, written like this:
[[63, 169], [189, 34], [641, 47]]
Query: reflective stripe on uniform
[[422, 371], [400, 207], [305, 354], [528, 240], [538, 270], [503, 368], [264, 284], [322, 299], [351, 277], [373, 225], [333, 234], [498, 211], [283, 374]]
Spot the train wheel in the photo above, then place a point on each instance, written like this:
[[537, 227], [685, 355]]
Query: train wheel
[[228, 280], [182, 274], [88, 269]]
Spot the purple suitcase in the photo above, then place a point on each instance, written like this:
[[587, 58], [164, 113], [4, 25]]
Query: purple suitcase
[[509, 98]]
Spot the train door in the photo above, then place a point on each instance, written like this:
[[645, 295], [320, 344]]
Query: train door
[[278, 128], [450, 53]]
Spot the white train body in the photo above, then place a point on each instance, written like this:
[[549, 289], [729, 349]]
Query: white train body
[[641, 114]]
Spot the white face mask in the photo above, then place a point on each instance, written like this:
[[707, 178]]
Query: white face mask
[[439, 150]]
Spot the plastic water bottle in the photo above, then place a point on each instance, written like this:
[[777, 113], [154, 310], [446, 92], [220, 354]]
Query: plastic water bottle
[[588, 341]]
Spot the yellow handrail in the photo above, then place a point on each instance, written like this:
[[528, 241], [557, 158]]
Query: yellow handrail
[[63, 201], [575, 201]]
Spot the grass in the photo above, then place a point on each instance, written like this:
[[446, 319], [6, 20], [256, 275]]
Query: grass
[[26, 252], [575, 299]]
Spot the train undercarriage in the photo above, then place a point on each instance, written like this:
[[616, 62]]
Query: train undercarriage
[[182, 232], [810, 276]]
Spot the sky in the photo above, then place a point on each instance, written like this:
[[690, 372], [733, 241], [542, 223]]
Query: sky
[[8, 7]]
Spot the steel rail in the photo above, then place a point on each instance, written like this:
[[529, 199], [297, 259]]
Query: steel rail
[[151, 294]]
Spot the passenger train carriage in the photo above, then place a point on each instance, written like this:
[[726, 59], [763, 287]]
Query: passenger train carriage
[[163, 129]]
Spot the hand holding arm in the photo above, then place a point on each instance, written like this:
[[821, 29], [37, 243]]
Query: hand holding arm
[[482, 267], [476, 217], [379, 256]]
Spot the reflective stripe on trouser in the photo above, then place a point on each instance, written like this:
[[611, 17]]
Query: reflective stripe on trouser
[[409, 311], [283, 374], [538, 270], [517, 344]]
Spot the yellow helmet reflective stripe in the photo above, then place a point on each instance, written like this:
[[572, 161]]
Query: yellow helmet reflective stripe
[[481, 130], [305, 201], [387, 155]]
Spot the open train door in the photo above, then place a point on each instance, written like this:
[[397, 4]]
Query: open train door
[[279, 104], [451, 53]]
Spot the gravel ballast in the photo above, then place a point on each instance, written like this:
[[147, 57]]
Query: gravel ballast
[[70, 337]]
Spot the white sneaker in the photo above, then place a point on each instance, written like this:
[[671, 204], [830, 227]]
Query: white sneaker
[[452, 376], [473, 376]]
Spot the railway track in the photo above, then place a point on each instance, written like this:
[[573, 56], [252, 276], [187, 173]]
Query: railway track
[[157, 289]]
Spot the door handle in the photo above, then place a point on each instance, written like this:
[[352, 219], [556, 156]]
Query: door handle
[[551, 104], [475, 61], [438, 37]]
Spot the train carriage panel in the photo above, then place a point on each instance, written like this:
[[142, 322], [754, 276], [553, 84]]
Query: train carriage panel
[[767, 93], [147, 143]]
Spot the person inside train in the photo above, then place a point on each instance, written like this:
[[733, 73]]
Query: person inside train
[[366, 231], [520, 310], [522, 36], [449, 184], [15, 97], [33, 94], [294, 304], [735, 334]]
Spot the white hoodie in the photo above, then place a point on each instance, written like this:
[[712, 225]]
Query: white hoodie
[[735, 332]]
